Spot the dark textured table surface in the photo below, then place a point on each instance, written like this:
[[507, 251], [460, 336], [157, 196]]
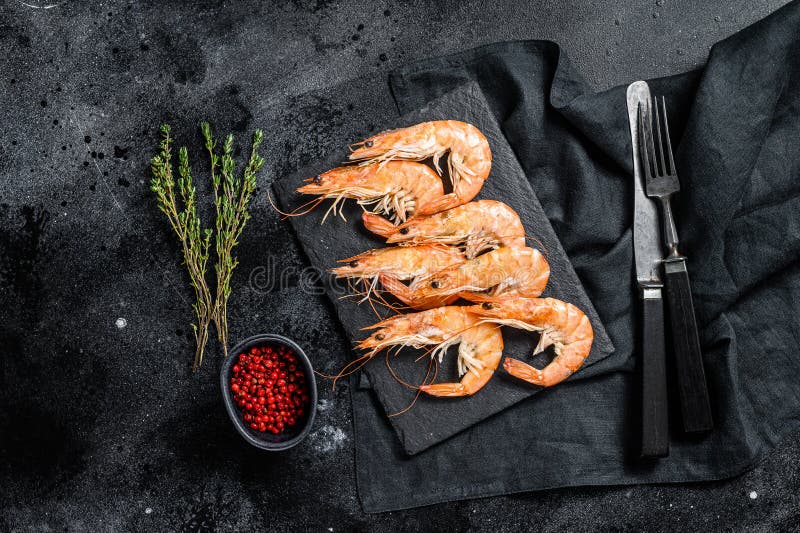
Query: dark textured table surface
[[102, 424]]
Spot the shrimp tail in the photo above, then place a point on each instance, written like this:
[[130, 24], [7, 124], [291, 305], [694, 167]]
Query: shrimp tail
[[445, 389], [523, 371], [455, 389], [377, 224], [552, 374], [439, 204]]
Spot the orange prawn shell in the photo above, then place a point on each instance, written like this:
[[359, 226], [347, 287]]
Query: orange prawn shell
[[475, 223], [428, 327], [561, 324], [469, 160], [400, 262], [525, 268], [480, 344], [413, 184]]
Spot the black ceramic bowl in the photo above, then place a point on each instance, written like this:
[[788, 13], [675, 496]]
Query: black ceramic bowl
[[269, 441]]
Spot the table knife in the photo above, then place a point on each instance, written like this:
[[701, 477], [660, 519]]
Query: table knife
[[647, 261]]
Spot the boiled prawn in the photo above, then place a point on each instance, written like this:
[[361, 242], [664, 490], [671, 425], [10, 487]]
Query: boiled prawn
[[493, 276], [559, 324], [479, 351], [399, 263], [469, 158], [477, 226], [397, 189]]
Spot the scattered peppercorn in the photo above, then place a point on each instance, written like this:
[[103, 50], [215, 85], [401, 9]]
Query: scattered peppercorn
[[270, 388]]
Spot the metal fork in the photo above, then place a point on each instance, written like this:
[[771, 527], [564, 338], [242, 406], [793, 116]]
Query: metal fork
[[661, 182], [661, 179]]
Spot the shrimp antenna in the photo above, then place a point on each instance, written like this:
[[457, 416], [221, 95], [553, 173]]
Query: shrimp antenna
[[314, 203], [396, 307], [395, 376], [540, 245], [369, 287], [371, 301], [347, 370], [374, 295], [426, 352], [355, 292], [363, 295], [432, 363]]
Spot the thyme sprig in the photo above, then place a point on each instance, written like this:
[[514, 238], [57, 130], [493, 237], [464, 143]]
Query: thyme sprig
[[231, 200]]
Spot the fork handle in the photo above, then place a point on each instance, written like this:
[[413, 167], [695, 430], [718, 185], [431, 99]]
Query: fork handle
[[691, 378]]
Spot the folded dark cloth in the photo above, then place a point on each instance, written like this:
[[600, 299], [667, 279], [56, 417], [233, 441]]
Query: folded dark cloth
[[736, 124]]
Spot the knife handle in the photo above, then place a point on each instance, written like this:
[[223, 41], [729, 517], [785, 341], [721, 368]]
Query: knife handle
[[655, 428], [691, 377]]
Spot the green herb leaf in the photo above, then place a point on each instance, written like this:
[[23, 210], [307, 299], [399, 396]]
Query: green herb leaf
[[231, 201]]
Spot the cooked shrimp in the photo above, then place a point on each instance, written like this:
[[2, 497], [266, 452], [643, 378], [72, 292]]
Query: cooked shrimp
[[479, 352], [403, 263], [493, 276], [469, 160], [397, 189], [561, 324], [478, 226], [400, 263]]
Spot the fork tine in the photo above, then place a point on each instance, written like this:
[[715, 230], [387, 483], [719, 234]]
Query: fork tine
[[666, 134], [643, 149], [661, 161]]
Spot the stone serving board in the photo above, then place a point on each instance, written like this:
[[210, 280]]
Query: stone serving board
[[431, 420]]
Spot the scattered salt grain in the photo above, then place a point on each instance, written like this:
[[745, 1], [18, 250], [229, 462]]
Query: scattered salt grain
[[328, 439]]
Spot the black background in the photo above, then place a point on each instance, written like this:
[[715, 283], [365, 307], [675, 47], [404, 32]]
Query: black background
[[106, 428]]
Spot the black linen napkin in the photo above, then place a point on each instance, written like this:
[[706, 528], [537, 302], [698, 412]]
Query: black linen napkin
[[737, 125], [431, 420]]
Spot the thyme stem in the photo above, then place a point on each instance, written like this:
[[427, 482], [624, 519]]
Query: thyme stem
[[231, 201]]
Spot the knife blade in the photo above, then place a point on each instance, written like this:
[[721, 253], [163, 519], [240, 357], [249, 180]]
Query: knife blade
[[648, 256], [647, 250]]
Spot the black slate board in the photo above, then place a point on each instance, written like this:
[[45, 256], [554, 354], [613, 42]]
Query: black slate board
[[431, 420]]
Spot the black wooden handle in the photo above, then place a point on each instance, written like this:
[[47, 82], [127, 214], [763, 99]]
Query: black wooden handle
[[655, 428], [691, 377]]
